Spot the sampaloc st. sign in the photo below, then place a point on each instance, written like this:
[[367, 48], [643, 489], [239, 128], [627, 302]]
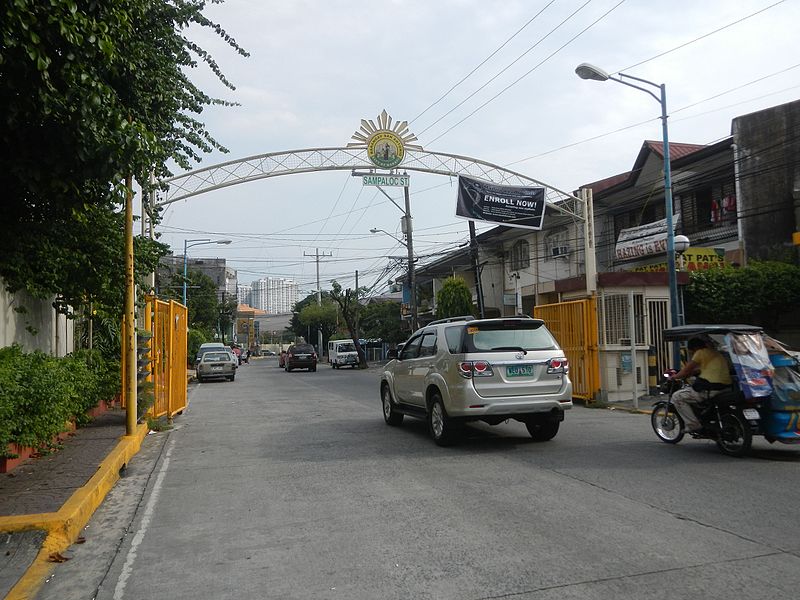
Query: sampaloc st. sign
[[512, 206], [386, 180]]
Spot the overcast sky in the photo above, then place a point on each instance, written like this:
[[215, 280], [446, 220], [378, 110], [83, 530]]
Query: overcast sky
[[317, 68]]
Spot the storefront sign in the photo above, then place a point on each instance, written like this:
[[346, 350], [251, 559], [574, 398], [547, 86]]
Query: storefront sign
[[694, 259], [512, 206], [645, 240]]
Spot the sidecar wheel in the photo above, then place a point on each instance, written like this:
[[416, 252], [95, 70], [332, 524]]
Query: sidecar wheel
[[667, 423], [735, 437]]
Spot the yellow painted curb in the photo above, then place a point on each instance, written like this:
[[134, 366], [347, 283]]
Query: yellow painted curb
[[64, 527]]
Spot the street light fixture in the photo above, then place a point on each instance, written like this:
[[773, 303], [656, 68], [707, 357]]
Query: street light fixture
[[588, 71], [188, 244], [412, 284]]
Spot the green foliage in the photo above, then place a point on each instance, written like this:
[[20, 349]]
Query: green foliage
[[454, 299], [159, 424], [39, 394], [195, 338], [296, 326], [759, 294], [91, 92], [322, 317], [381, 320]]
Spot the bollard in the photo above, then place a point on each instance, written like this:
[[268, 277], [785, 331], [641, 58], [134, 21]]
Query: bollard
[[652, 371]]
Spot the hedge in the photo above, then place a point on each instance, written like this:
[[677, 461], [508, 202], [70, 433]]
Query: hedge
[[40, 394]]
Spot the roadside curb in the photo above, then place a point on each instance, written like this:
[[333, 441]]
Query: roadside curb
[[64, 526]]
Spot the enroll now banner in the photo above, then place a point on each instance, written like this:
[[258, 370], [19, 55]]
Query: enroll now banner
[[508, 205]]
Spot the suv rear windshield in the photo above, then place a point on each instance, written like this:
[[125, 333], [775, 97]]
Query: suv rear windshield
[[500, 336], [303, 348]]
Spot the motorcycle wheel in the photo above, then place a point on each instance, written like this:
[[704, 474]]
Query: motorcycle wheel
[[667, 423], [735, 437]]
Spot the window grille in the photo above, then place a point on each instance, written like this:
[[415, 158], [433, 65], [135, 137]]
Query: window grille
[[615, 319]]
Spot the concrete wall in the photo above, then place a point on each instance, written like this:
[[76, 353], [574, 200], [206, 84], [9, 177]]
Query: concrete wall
[[768, 149], [37, 328]]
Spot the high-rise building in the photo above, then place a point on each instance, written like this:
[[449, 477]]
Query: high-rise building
[[244, 294], [275, 295]]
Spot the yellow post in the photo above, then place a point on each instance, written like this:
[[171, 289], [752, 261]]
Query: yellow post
[[130, 324]]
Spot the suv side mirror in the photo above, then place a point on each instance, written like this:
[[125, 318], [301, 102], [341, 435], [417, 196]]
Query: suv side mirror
[[392, 353]]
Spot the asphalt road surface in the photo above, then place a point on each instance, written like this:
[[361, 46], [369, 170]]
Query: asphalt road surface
[[290, 486]]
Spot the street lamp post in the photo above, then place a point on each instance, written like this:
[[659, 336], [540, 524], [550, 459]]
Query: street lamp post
[[588, 71], [188, 244], [412, 284]]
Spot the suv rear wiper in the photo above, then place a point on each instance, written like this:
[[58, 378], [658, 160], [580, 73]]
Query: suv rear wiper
[[510, 349]]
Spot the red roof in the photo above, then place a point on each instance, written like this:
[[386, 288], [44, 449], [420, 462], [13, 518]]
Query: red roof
[[676, 151]]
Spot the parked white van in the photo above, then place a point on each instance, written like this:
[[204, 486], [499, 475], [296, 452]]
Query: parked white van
[[342, 352]]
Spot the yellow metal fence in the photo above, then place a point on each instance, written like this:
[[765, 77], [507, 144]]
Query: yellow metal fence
[[167, 322], [574, 325]]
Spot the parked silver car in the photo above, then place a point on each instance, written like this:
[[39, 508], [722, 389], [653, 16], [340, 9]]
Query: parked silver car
[[459, 370], [220, 364]]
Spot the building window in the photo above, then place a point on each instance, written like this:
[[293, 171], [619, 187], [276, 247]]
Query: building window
[[520, 255], [707, 208], [558, 245]]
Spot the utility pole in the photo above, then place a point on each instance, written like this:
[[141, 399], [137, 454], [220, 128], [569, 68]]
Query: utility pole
[[317, 256], [473, 249], [412, 280]]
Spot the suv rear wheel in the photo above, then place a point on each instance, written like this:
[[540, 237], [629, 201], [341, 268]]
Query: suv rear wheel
[[440, 425], [542, 429]]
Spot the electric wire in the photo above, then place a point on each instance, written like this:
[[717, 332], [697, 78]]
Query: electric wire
[[484, 61]]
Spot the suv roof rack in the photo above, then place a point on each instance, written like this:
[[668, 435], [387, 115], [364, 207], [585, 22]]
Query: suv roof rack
[[453, 319]]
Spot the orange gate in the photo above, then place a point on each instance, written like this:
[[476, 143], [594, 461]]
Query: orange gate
[[574, 325], [164, 335]]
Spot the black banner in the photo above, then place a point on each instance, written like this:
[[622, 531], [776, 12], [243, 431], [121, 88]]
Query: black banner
[[508, 205]]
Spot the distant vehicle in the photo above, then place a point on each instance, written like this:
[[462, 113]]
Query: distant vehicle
[[208, 346], [301, 356], [342, 353], [457, 370], [267, 353], [216, 365]]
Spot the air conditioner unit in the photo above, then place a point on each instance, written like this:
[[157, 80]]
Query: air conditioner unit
[[560, 251]]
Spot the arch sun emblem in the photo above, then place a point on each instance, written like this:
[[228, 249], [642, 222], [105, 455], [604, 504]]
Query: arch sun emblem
[[386, 143]]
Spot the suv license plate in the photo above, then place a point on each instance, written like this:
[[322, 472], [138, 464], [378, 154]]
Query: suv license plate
[[751, 414], [519, 370]]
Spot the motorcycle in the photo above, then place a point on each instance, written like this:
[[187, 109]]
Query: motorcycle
[[762, 400]]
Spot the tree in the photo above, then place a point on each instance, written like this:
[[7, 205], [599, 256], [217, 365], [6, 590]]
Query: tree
[[350, 310], [91, 92], [381, 320], [454, 299], [321, 318], [296, 326], [762, 293]]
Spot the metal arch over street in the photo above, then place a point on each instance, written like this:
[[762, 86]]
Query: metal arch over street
[[312, 160]]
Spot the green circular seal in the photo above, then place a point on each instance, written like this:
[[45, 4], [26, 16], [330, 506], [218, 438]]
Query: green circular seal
[[385, 149]]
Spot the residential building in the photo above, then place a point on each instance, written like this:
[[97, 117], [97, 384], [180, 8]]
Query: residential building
[[244, 294], [223, 276], [735, 199], [275, 295]]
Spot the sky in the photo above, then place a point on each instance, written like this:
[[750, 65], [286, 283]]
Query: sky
[[490, 80]]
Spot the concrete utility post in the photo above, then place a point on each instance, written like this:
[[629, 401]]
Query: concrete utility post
[[317, 256], [412, 280]]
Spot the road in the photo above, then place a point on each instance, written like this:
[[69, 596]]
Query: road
[[290, 486]]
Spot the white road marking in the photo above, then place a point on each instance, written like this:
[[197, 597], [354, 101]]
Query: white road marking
[[127, 568]]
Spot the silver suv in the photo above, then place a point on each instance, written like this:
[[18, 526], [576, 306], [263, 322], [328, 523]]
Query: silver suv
[[458, 370]]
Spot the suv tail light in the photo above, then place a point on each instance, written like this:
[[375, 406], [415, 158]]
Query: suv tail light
[[557, 365], [476, 368], [314, 356]]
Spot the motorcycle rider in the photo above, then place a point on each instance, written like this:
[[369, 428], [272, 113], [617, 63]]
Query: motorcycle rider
[[713, 376]]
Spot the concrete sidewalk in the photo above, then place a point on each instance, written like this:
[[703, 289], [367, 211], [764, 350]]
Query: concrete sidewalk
[[45, 502]]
